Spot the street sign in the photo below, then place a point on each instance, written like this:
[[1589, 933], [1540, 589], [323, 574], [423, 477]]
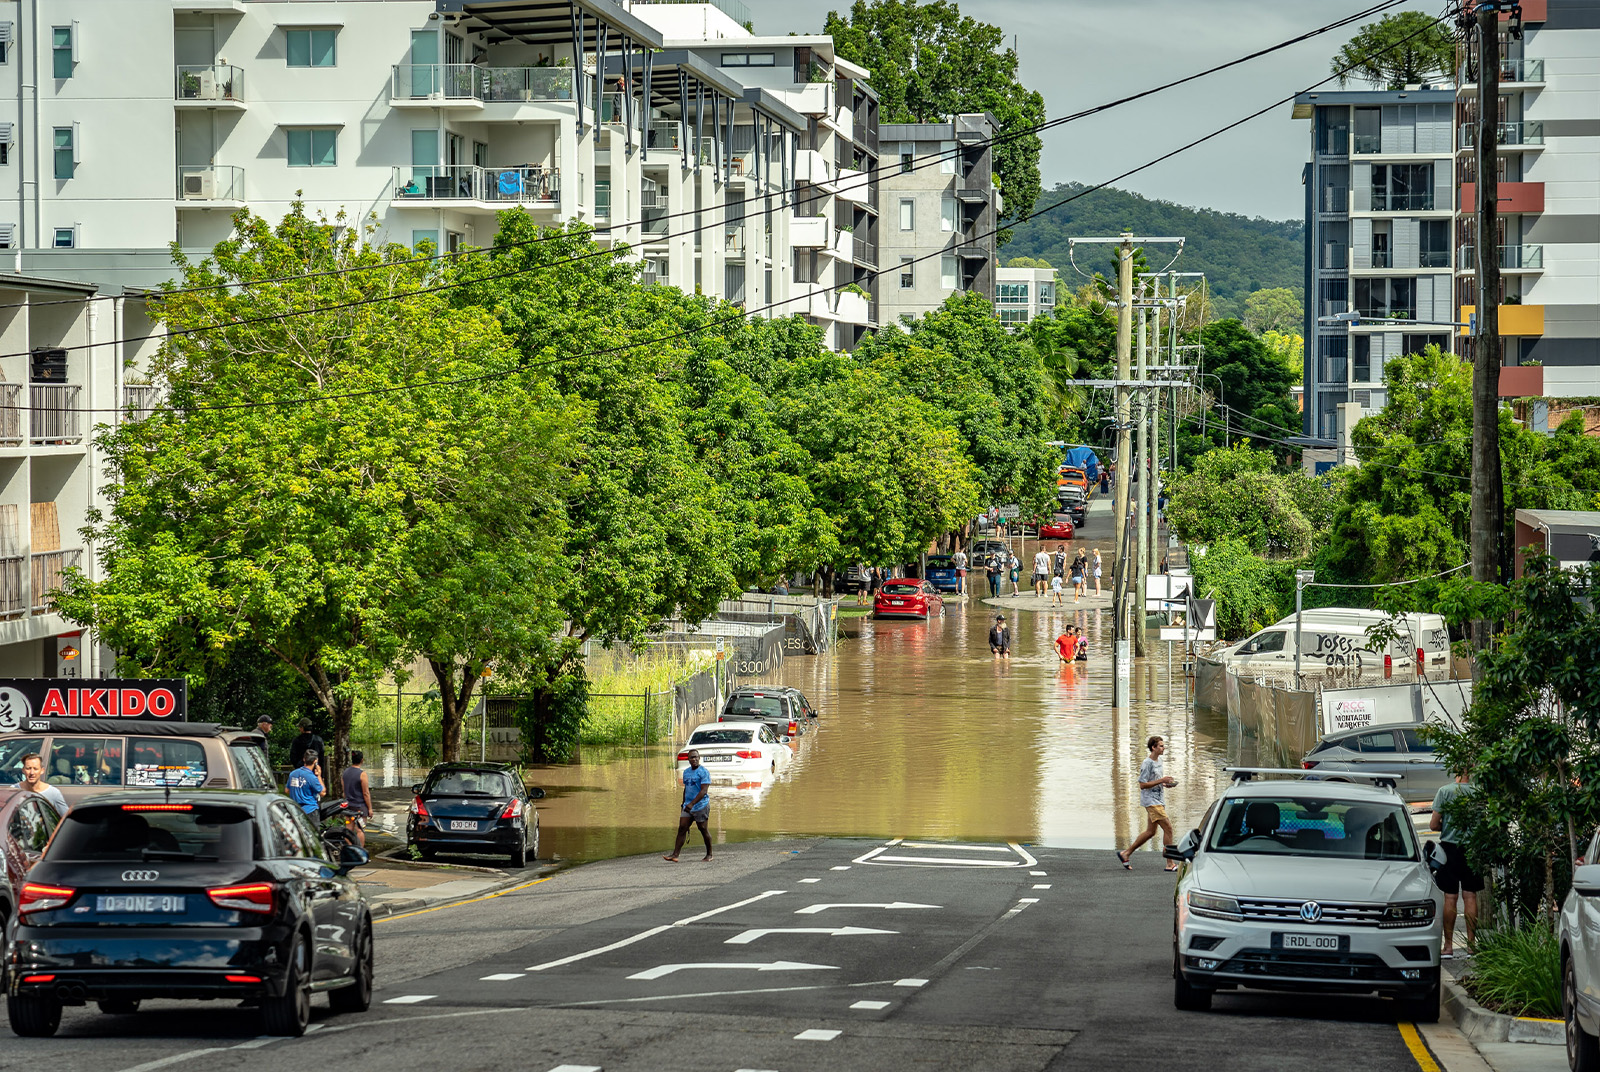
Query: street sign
[[722, 652]]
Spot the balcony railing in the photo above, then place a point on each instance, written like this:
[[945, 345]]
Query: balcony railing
[[13, 596], [1332, 369], [1380, 258], [866, 252], [1528, 132], [657, 224], [210, 82], [1335, 255], [140, 400], [53, 413], [11, 413], [602, 200], [611, 109], [210, 182], [1396, 201], [469, 82], [1335, 142], [1511, 70], [1336, 199], [1364, 144], [1330, 307], [733, 241], [521, 184], [49, 568], [662, 134], [1510, 257]]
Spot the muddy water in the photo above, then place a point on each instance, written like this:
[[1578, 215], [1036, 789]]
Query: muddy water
[[924, 734]]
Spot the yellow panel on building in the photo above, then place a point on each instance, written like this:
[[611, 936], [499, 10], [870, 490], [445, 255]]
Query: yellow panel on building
[[1514, 319]]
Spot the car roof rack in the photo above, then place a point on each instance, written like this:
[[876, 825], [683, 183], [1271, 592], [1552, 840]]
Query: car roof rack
[[1380, 780]]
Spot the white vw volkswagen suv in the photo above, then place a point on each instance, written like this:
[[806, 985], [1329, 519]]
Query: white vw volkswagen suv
[[1309, 886]]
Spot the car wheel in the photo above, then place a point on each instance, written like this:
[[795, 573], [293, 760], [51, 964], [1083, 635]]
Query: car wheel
[[357, 997], [1583, 1049], [33, 1016], [290, 1014], [519, 855], [1186, 997], [1423, 1007], [119, 1006]]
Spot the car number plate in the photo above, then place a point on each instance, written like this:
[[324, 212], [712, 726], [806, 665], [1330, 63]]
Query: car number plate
[[717, 759], [898, 602], [462, 824], [141, 902], [1318, 943]]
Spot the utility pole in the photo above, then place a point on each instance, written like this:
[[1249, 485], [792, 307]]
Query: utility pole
[[1119, 595], [1488, 496], [1141, 512]]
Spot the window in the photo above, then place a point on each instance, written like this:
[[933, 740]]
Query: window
[[947, 272], [1012, 294], [1013, 316], [748, 59], [1307, 826], [1434, 244], [166, 761], [907, 163], [63, 49], [1415, 743], [12, 750], [66, 152], [250, 764], [1377, 742], [947, 213], [84, 761], [8, 233], [28, 827], [106, 832], [310, 48], [5, 42], [1402, 187], [66, 237], [1363, 358], [908, 274], [1271, 640], [1387, 298], [286, 837], [908, 214], [313, 147], [1047, 294], [947, 158]]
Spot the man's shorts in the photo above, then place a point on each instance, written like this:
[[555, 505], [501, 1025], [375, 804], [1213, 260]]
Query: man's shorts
[[1155, 813], [1040, 578], [699, 816], [1456, 875]]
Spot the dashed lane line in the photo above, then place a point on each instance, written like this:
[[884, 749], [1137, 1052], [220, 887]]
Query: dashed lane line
[[577, 1068], [1042, 886], [911, 982], [811, 880], [502, 977], [410, 999], [818, 1034], [870, 1005]]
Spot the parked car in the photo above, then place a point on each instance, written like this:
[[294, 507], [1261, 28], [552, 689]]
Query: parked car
[[1380, 750], [26, 822], [786, 711], [732, 748], [982, 548], [86, 757], [1306, 886], [905, 598], [1579, 936], [1336, 637], [942, 572], [475, 807], [1060, 529], [1072, 476], [198, 895], [1074, 503]]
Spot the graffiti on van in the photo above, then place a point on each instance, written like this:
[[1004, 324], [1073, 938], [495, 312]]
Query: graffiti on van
[[1338, 651]]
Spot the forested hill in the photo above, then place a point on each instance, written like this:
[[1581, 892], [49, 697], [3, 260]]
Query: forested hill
[[1239, 255]]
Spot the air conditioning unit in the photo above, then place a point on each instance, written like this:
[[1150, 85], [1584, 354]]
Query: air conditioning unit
[[200, 185], [208, 85]]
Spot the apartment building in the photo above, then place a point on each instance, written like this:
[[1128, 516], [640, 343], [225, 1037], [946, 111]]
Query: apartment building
[[139, 123], [1548, 129], [938, 184], [1024, 294], [1380, 209]]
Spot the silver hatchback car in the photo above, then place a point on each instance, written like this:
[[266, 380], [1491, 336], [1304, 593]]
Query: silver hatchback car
[[1380, 750]]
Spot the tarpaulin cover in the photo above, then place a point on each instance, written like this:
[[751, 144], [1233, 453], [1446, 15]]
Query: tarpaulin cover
[[1083, 458]]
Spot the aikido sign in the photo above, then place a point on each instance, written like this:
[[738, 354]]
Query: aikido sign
[[26, 702]]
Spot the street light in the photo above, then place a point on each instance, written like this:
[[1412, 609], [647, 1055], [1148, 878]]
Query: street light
[[1301, 579], [1356, 320]]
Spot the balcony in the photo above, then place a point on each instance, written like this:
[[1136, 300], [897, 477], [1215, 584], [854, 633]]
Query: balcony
[[465, 85], [1334, 142], [656, 224], [210, 186], [663, 134], [733, 242], [1514, 197], [1336, 199], [602, 200], [866, 252], [49, 569], [1402, 201], [1332, 370], [53, 416], [1512, 258], [1334, 255], [13, 596], [139, 400], [11, 414], [1515, 320], [216, 85], [808, 232], [437, 185], [843, 244], [1529, 133], [1380, 258], [612, 109], [1512, 71], [854, 307], [1366, 144]]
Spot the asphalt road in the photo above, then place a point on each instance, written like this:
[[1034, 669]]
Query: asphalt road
[[837, 954]]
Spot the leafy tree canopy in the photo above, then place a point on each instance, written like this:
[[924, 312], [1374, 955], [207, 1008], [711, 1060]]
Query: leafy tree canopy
[[1402, 49], [1238, 494], [1277, 309]]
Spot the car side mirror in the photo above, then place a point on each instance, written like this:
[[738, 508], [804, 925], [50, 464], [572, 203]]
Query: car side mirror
[[352, 856], [1586, 880], [416, 790], [536, 793], [1185, 849]]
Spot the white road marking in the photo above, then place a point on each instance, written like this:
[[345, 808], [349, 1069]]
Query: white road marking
[[410, 999], [911, 982], [870, 1005], [577, 1068], [1037, 874], [642, 935], [945, 860], [843, 867], [1042, 886], [257, 1043], [811, 910], [955, 846], [503, 977], [176, 1058], [662, 970], [1018, 856], [818, 1034], [746, 937], [1027, 900], [723, 994], [811, 880]]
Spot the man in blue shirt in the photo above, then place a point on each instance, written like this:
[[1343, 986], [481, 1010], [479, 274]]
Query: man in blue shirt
[[696, 805], [305, 784]]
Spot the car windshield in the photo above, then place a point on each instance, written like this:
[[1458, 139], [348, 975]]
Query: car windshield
[[755, 705], [721, 737], [901, 589], [1308, 826], [11, 753], [468, 783], [137, 832]]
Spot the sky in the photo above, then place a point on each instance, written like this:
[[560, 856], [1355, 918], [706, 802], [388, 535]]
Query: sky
[[1079, 53]]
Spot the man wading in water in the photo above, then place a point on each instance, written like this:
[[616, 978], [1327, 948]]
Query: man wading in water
[[696, 805]]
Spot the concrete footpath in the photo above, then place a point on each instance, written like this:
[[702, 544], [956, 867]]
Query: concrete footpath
[[391, 886]]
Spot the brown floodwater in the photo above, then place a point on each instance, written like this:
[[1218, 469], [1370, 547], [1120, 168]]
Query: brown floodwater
[[924, 734]]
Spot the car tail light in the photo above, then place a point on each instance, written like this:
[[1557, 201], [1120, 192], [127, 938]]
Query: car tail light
[[513, 809], [242, 978], [746, 753], [794, 728], [1419, 658], [256, 897], [158, 807], [38, 978], [683, 757], [418, 808], [37, 898], [1308, 764]]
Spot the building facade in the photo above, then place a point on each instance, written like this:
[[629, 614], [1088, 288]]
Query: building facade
[[1024, 294], [943, 209]]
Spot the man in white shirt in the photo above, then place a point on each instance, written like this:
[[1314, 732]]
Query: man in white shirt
[[1041, 571], [33, 781], [959, 560], [1153, 783]]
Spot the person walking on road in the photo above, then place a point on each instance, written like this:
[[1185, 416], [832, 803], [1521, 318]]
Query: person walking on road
[[959, 560], [1041, 570], [1016, 570], [696, 805], [1000, 638], [1456, 875], [1153, 784], [864, 572], [1080, 565], [996, 569], [357, 796], [1105, 481], [305, 786], [33, 781], [1055, 591], [1097, 571]]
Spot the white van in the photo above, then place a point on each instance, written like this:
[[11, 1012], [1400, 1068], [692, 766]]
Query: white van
[[1336, 637]]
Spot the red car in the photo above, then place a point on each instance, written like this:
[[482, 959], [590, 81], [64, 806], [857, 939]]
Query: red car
[[1057, 530], [907, 598]]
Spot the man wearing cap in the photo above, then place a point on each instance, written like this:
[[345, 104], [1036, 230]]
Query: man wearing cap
[[264, 727], [1000, 637]]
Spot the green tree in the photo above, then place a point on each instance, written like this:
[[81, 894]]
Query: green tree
[[1250, 591], [929, 61], [1278, 309], [1289, 348], [1398, 50], [1238, 495], [1254, 381]]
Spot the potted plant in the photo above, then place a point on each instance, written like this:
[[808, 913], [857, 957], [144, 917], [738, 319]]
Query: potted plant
[[189, 85]]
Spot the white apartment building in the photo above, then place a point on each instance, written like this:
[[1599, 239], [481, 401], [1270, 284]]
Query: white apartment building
[[1024, 294], [136, 124]]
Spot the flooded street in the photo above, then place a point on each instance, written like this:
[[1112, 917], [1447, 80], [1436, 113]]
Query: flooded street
[[924, 734]]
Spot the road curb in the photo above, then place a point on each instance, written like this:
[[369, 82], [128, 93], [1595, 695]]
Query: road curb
[[403, 864], [1480, 1025]]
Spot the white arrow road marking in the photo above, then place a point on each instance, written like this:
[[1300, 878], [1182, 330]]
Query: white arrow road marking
[[746, 937], [1015, 855], [642, 935], [811, 910], [778, 965]]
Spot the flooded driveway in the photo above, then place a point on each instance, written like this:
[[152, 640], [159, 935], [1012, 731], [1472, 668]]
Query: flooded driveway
[[924, 734]]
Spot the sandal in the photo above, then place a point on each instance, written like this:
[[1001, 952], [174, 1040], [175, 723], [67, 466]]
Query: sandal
[[1123, 860], [1170, 870]]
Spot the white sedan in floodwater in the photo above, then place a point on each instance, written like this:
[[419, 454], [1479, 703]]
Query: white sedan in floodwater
[[731, 748]]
